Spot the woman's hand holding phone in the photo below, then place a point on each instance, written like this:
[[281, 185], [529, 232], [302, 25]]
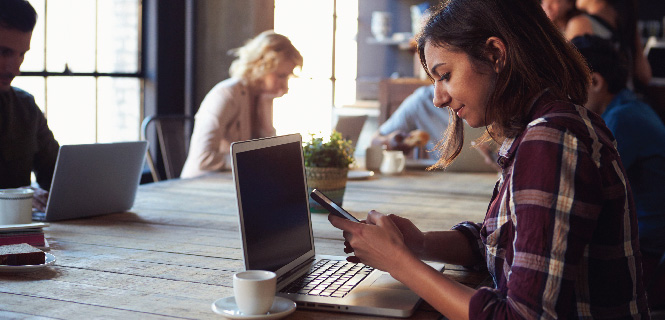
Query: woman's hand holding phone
[[331, 206]]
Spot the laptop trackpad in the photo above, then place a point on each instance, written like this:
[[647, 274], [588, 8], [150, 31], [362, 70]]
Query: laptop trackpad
[[387, 281]]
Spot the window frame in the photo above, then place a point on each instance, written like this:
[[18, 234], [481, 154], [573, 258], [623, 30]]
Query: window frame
[[139, 74]]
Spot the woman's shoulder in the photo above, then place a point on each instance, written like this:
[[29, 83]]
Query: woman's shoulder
[[231, 88], [578, 25], [563, 117], [225, 93], [229, 85], [568, 119]]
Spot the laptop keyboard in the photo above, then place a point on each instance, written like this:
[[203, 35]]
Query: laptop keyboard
[[329, 278]]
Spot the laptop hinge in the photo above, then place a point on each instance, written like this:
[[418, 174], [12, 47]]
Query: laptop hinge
[[297, 269]]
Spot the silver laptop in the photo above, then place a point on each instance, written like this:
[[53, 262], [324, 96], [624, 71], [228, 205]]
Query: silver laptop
[[94, 179], [276, 230], [470, 160], [350, 127]]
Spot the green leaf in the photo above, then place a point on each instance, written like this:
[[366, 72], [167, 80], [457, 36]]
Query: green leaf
[[336, 152]]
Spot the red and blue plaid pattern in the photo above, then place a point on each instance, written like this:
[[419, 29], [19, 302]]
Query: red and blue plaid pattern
[[560, 236]]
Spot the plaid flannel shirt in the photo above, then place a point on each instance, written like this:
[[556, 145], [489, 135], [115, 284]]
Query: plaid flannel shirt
[[560, 235]]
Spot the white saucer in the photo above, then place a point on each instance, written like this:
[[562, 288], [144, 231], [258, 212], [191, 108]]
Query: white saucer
[[50, 259], [360, 174], [227, 307]]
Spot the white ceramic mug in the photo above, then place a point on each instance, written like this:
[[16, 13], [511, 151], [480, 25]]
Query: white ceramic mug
[[373, 157], [381, 24], [254, 291], [393, 162], [16, 206]]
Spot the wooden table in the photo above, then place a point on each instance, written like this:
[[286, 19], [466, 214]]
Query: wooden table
[[175, 252]]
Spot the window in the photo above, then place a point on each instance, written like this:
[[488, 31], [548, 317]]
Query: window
[[84, 69], [329, 49]]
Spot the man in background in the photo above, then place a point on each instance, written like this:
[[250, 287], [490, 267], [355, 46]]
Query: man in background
[[415, 123], [418, 123], [27, 144], [640, 137]]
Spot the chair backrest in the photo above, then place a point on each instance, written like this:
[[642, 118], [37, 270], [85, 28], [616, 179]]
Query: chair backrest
[[350, 127], [173, 132], [393, 91]]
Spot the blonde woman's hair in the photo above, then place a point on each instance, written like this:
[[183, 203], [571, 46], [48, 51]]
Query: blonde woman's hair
[[261, 56]]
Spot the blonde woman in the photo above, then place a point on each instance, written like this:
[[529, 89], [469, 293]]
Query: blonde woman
[[240, 108]]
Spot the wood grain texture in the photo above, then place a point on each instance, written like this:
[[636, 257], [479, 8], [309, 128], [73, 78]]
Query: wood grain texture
[[174, 253]]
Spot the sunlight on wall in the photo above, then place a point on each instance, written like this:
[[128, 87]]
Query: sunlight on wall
[[308, 107]]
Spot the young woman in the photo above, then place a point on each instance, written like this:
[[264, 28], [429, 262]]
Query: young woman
[[560, 234], [240, 108]]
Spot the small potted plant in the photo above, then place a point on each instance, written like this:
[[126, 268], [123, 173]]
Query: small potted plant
[[327, 165]]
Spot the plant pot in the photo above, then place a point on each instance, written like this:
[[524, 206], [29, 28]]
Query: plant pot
[[330, 181]]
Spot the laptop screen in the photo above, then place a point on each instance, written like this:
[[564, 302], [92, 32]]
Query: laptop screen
[[275, 214]]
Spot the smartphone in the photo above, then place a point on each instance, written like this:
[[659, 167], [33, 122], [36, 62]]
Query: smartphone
[[331, 206]]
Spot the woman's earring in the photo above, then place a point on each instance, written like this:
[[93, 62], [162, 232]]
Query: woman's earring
[[497, 65]]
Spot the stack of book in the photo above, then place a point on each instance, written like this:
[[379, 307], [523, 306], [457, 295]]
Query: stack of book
[[31, 233]]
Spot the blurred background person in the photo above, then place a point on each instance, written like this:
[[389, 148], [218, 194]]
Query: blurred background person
[[565, 16], [241, 107], [616, 20], [415, 123], [27, 144], [417, 128], [640, 137]]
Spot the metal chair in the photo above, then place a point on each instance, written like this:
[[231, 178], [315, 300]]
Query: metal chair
[[173, 132]]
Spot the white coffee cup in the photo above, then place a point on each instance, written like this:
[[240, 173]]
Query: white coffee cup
[[393, 162], [373, 157], [254, 291], [16, 206], [380, 24]]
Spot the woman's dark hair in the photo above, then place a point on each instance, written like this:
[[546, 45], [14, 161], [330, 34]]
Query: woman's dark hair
[[17, 14], [537, 57], [602, 57]]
